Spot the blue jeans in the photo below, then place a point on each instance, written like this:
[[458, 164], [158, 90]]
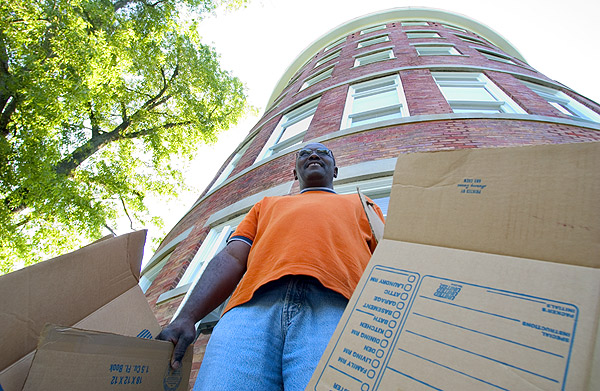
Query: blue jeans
[[274, 341]]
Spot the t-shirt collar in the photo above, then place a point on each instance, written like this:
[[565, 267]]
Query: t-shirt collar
[[327, 189]]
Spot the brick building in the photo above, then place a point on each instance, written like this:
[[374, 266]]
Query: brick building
[[398, 81]]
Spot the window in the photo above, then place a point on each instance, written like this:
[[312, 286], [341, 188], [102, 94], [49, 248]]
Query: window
[[403, 24], [376, 189], [496, 56], [334, 44], [422, 34], [373, 41], [474, 92], [437, 50], [449, 26], [314, 79], [373, 101], [563, 102], [290, 130], [471, 39], [214, 242], [232, 164], [149, 276], [374, 28], [328, 58], [372, 57]]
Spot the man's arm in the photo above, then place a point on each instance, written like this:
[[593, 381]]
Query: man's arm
[[218, 281]]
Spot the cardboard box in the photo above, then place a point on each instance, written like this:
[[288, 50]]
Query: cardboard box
[[489, 294], [93, 288], [74, 359]]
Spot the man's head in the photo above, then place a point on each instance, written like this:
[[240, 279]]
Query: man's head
[[315, 166]]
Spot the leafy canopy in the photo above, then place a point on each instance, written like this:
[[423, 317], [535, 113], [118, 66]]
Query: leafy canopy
[[97, 98]]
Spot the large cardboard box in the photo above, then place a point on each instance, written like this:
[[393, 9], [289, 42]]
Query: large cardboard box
[[70, 359], [93, 288], [483, 278]]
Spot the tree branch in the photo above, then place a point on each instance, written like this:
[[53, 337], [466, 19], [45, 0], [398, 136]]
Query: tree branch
[[126, 212]]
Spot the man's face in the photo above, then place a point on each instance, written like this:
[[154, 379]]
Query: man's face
[[315, 166]]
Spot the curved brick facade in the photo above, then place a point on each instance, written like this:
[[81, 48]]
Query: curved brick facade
[[445, 68]]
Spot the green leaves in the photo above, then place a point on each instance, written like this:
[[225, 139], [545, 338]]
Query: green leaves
[[97, 97]]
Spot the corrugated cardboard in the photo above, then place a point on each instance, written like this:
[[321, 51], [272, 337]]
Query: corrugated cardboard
[[375, 222], [439, 316], [70, 359], [536, 202], [94, 288]]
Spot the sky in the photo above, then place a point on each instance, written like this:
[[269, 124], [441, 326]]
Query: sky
[[259, 42]]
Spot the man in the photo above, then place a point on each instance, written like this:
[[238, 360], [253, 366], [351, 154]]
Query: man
[[295, 261]]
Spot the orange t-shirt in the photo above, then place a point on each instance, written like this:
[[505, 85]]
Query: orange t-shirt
[[317, 233]]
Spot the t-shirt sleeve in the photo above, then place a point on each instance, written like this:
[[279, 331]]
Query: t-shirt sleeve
[[246, 230]]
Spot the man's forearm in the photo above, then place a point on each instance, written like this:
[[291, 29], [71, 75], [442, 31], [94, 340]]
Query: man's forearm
[[218, 281]]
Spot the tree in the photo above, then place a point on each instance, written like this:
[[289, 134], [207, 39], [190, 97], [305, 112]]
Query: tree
[[97, 99]]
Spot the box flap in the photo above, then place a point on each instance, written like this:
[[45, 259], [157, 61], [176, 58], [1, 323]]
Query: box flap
[[535, 202], [375, 222], [65, 290]]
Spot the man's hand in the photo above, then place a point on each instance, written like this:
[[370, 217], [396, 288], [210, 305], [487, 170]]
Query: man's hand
[[181, 332]]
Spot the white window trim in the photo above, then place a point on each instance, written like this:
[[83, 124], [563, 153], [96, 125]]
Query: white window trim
[[414, 23], [328, 58], [298, 114], [491, 55], [451, 50], [369, 41], [503, 102], [232, 165], [466, 38], [348, 114], [420, 32], [371, 187], [334, 44], [373, 28], [373, 56], [316, 78], [452, 27], [150, 275], [205, 253], [558, 98]]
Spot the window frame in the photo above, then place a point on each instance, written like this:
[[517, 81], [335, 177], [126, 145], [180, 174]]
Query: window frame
[[300, 113], [150, 275], [410, 23], [316, 78], [466, 38], [563, 102], [378, 86], [232, 164], [363, 43], [411, 34], [494, 56], [334, 44], [373, 28], [327, 58], [373, 56], [372, 188], [452, 51], [502, 103]]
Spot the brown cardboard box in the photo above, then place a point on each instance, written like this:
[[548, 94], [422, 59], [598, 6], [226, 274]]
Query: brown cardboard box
[[464, 307], [93, 288], [70, 359]]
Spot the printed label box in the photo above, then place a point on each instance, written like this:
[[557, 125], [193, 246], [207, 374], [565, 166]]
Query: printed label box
[[432, 315]]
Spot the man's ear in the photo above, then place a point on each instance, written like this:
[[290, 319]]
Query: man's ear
[[335, 172], [295, 174]]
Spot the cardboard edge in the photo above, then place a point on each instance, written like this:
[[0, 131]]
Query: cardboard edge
[[377, 226]]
